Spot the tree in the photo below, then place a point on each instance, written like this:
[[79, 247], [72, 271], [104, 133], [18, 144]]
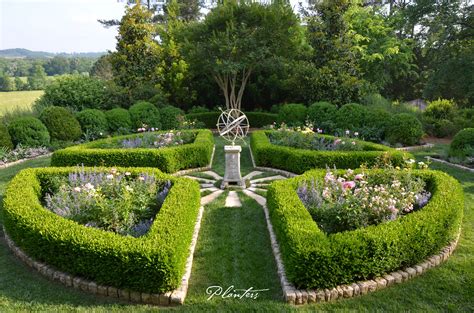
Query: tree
[[138, 54], [57, 66], [102, 69], [37, 77], [7, 83], [20, 85], [235, 37], [172, 70]]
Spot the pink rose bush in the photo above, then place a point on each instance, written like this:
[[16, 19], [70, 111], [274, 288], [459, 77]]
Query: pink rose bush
[[350, 201]]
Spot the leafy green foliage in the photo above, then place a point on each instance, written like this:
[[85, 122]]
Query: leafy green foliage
[[29, 132], [322, 115], [169, 159], [298, 160], [61, 123], [314, 260], [93, 123], [119, 121], [293, 114], [404, 129], [102, 256], [145, 113], [5, 139], [170, 117], [76, 92], [351, 116], [463, 144]]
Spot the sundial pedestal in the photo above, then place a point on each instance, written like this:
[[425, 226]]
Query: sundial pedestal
[[232, 167]]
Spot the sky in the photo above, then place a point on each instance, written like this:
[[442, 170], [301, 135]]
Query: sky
[[58, 25]]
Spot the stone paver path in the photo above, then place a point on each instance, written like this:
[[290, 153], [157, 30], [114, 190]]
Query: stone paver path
[[232, 200]]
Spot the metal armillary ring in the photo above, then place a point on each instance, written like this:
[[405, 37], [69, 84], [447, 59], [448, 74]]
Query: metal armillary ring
[[232, 125]]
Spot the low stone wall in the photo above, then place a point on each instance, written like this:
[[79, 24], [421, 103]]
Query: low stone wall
[[464, 168]]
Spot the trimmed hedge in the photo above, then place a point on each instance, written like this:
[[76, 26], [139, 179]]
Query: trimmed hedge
[[28, 131], [169, 160], [463, 141], [152, 263], [299, 160], [61, 123], [313, 259], [256, 119]]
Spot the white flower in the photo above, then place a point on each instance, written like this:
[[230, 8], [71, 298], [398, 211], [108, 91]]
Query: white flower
[[128, 173], [128, 188], [100, 133], [153, 129], [110, 176], [77, 189], [89, 186], [113, 170], [141, 178], [348, 132], [353, 143], [411, 161], [356, 134]]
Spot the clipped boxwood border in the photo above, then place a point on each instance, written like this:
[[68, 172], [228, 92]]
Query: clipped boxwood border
[[314, 260], [298, 161], [168, 160], [153, 264]]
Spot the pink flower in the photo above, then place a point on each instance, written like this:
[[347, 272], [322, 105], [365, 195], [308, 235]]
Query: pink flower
[[337, 141], [359, 177], [348, 185], [353, 143]]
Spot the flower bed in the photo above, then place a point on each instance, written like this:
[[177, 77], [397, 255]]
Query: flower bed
[[20, 153], [151, 263], [298, 160], [117, 151], [314, 259]]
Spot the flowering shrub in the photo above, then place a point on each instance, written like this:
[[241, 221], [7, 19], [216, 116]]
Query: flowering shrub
[[153, 140], [111, 201], [20, 152], [307, 139], [350, 201]]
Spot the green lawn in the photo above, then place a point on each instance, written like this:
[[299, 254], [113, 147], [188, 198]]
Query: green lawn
[[22, 100], [234, 249]]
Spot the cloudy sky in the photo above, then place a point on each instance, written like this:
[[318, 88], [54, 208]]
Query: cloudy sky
[[58, 25]]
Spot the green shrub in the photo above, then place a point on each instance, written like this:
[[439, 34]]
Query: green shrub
[[61, 123], [375, 100], [261, 119], [93, 123], [314, 260], [119, 121], [104, 257], [292, 114], [351, 116], [463, 144], [29, 132], [375, 125], [77, 92], [405, 129], [169, 159], [439, 128], [170, 117], [440, 109], [323, 115], [145, 113], [298, 160], [5, 139], [209, 119]]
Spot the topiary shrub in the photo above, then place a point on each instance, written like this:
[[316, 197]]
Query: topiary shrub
[[292, 114], [61, 123], [93, 123], [119, 121], [351, 116], [375, 124], [170, 116], [29, 132], [322, 115], [404, 129], [463, 144], [5, 139], [145, 113]]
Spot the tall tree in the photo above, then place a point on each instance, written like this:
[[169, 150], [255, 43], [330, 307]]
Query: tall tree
[[7, 83], [37, 77], [138, 54], [235, 37]]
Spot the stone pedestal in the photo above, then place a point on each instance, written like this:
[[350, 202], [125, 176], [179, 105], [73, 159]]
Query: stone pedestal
[[232, 167]]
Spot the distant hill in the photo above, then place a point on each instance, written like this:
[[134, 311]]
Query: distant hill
[[19, 53]]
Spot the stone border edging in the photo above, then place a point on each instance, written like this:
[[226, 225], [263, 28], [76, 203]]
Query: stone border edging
[[301, 296], [464, 168], [175, 297], [24, 160], [415, 148]]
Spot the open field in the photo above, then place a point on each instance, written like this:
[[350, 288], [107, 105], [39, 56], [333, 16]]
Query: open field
[[23, 100]]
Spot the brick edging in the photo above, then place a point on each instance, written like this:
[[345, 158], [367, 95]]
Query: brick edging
[[175, 297]]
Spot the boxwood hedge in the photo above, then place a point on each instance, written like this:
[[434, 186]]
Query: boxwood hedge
[[169, 160], [299, 160], [256, 119], [152, 263], [313, 259]]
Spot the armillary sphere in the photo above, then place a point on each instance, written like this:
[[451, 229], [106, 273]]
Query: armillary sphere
[[232, 125]]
